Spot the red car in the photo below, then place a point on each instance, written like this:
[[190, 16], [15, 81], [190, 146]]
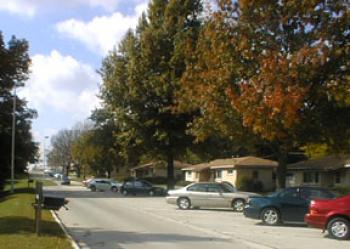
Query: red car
[[333, 215]]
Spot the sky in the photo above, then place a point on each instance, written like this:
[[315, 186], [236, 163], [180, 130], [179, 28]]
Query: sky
[[68, 40]]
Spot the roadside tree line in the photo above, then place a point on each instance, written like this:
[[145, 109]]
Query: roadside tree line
[[14, 70], [195, 82]]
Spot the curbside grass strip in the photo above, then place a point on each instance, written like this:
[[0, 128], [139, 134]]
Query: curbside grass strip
[[74, 243]]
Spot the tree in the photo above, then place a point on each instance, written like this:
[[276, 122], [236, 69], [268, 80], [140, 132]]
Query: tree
[[141, 77], [14, 69], [277, 70]]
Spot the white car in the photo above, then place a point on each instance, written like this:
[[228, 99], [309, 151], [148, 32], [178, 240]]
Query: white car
[[104, 185], [209, 194]]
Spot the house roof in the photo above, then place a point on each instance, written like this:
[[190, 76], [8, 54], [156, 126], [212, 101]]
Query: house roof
[[332, 162], [197, 167], [177, 165], [242, 162]]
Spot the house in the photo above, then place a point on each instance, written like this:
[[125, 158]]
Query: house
[[234, 170], [238, 170], [158, 169], [197, 173], [329, 171]]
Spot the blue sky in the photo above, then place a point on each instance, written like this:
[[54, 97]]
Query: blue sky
[[68, 40]]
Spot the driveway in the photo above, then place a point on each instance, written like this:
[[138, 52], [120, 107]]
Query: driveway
[[108, 220]]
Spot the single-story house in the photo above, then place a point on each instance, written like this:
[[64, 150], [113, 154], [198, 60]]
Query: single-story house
[[329, 171], [236, 170], [158, 169], [197, 173]]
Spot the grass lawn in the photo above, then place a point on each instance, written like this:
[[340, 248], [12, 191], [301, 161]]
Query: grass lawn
[[17, 222]]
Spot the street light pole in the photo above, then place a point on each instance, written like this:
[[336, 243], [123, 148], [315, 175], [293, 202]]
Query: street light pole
[[44, 153], [13, 141]]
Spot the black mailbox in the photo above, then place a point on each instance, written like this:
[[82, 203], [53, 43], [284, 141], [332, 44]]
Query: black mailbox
[[54, 203]]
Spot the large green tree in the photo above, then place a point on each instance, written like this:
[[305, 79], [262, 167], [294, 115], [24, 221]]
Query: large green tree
[[274, 69], [14, 70], [141, 77]]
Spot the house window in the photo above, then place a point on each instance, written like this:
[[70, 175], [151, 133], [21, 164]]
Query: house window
[[218, 174], [255, 174], [337, 177], [230, 171], [189, 173], [311, 177]]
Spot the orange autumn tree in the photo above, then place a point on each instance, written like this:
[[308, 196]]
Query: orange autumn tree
[[276, 69]]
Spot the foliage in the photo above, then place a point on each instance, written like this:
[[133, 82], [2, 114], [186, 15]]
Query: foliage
[[14, 70], [140, 79], [341, 190], [277, 70]]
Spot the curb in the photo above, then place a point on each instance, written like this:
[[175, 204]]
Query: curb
[[74, 243]]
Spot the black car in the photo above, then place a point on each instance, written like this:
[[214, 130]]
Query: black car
[[140, 187], [287, 205]]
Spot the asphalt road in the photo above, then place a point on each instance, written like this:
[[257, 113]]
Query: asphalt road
[[108, 220]]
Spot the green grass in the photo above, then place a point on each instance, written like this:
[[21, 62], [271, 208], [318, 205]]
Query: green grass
[[17, 222]]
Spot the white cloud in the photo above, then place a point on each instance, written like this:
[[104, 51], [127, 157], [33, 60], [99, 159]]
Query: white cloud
[[102, 33], [32, 7], [61, 84]]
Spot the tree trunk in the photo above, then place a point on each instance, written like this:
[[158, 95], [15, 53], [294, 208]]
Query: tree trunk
[[78, 170], [170, 171], [281, 170]]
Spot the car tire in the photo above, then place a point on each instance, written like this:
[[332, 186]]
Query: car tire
[[93, 188], [339, 228], [270, 216], [114, 189], [125, 192], [151, 193], [238, 205], [184, 203]]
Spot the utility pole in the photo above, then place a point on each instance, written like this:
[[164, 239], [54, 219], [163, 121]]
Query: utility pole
[[13, 141]]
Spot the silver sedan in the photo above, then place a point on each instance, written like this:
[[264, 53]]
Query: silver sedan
[[209, 194]]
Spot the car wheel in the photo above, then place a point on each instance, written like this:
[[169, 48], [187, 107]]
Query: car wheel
[[114, 189], [238, 205], [93, 188], [184, 203], [339, 228], [125, 192], [270, 216], [151, 193]]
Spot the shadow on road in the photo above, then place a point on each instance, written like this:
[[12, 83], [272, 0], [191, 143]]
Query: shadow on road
[[80, 192], [97, 237]]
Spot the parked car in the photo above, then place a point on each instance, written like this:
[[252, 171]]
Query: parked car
[[333, 215], [104, 185], [209, 194], [65, 180], [288, 205], [137, 187], [87, 182]]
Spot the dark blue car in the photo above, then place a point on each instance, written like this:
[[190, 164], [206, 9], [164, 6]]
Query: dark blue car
[[287, 205]]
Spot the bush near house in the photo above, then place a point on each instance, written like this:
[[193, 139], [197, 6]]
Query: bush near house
[[250, 185], [341, 190]]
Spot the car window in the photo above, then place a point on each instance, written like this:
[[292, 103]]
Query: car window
[[146, 184], [198, 188], [310, 194], [289, 193], [227, 188], [138, 184], [214, 188]]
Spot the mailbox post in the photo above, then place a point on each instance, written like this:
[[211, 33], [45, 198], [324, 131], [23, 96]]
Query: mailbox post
[[45, 202], [37, 205]]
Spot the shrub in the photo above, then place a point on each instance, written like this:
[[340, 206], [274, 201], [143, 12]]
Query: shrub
[[341, 190], [249, 184]]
